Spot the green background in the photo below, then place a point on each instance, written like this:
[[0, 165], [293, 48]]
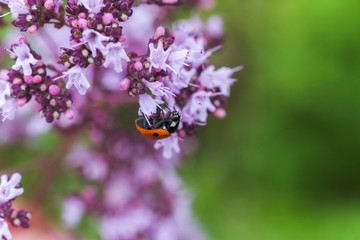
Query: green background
[[284, 164]]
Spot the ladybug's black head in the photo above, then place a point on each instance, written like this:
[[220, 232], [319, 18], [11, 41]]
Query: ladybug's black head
[[174, 122]]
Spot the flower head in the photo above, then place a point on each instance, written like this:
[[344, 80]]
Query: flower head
[[148, 105], [24, 58], [114, 54], [158, 89], [198, 106], [220, 78], [77, 78], [9, 188]]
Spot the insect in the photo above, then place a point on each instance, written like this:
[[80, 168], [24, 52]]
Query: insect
[[159, 125]]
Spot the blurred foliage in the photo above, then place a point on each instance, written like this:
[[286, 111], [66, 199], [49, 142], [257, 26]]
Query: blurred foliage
[[285, 163]]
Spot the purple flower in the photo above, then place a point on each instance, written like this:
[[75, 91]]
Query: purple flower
[[16, 7], [9, 189], [7, 111], [73, 210], [220, 78], [94, 40], [158, 56], [4, 92], [24, 58], [148, 105], [114, 54], [170, 145], [183, 79], [177, 60], [158, 89], [4, 230], [198, 106], [93, 6], [77, 78]]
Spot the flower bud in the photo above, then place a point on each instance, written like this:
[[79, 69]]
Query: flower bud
[[124, 84], [159, 32], [49, 4], [220, 113], [32, 29], [21, 102], [107, 18], [54, 90], [69, 114], [28, 79]]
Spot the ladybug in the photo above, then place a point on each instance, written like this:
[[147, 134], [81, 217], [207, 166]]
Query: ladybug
[[158, 125]]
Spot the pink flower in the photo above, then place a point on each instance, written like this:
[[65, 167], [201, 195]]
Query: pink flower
[[198, 106], [4, 230], [158, 89], [8, 187], [220, 78], [24, 58], [148, 105], [170, 145], [94, 40], [114, 54], [158, 56], [183, 79], [5, 92], [7, 111], [77, 78], [16, 7], [93, 6]]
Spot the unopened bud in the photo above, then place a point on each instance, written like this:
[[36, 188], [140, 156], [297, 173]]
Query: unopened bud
[[124, 84]]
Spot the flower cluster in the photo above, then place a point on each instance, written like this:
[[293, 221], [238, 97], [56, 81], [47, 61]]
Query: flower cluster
[[110, 54], [29, 79], [9, 190]]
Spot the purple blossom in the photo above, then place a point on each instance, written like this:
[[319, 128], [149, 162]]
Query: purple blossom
[[93, 6], [158, 89], [9, 187], [177, 59], [94, 40], [77, 78], [220, 78], [16, 7], [24, 58], [158, 56], [170, 146], [4, 230], [148, 105], [5, 92], [114, 54], [198, 107], [7, 111]]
